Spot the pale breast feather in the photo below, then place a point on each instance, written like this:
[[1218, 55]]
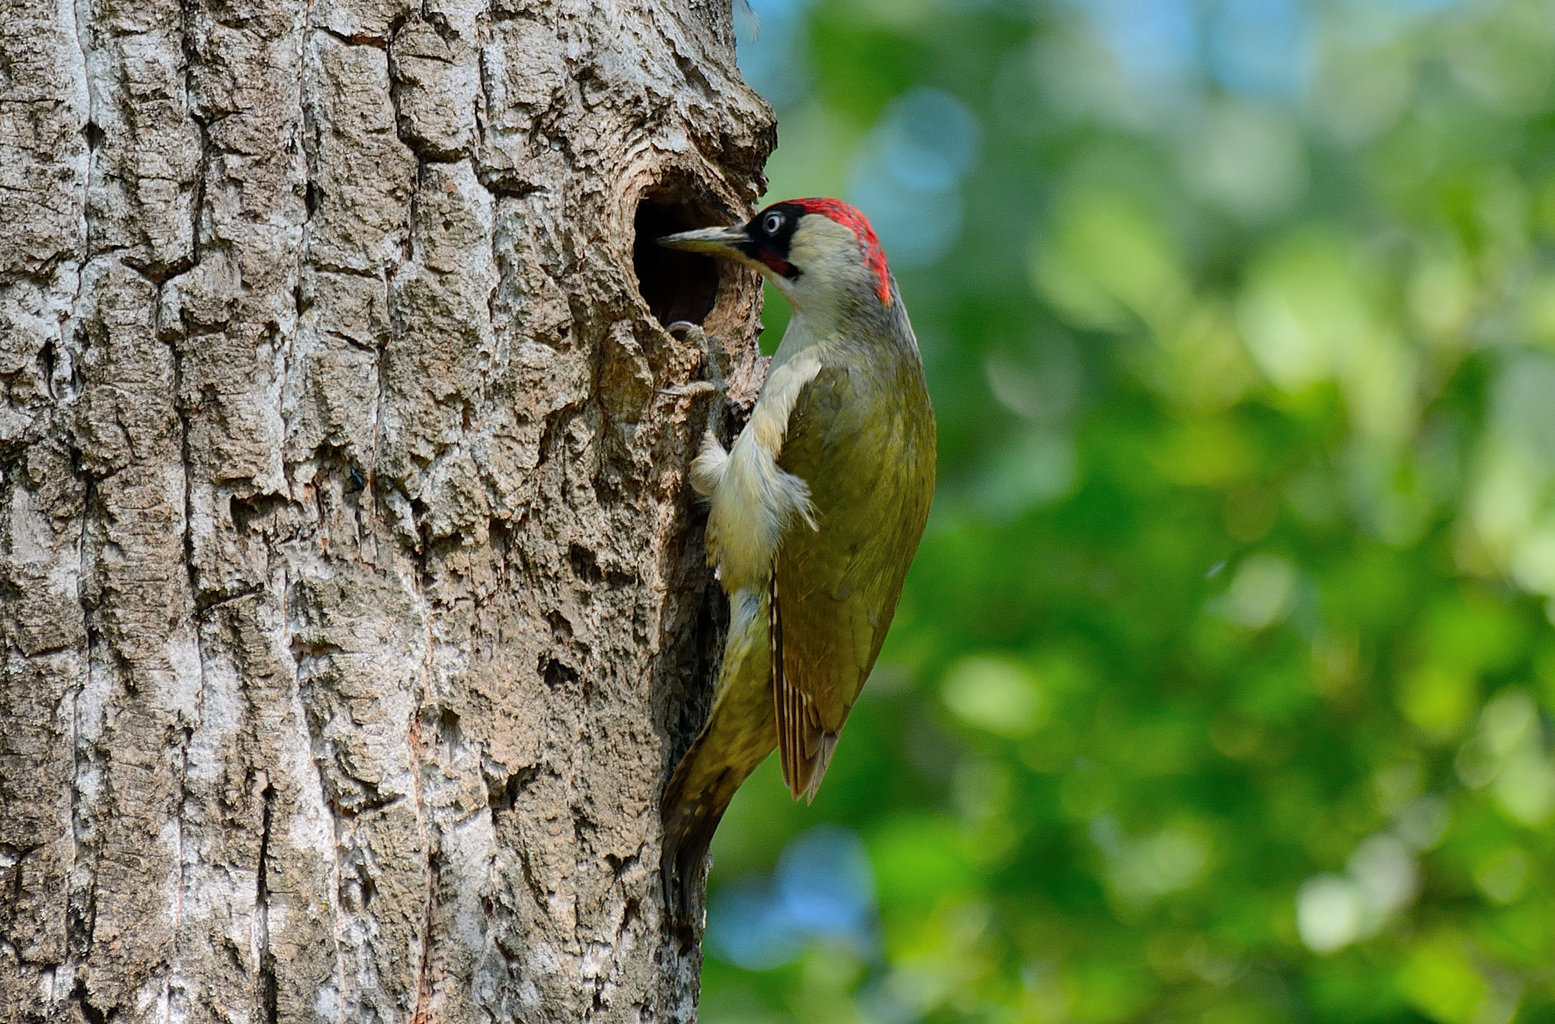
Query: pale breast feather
[[754, 501]]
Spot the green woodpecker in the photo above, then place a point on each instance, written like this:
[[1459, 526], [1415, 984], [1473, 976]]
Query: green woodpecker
[[814, 514]]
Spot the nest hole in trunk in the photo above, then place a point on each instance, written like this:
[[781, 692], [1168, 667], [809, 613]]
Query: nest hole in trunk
[[677, 285]]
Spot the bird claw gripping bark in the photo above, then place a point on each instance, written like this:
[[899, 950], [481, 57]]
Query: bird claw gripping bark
[[714, 358], [710, 354]]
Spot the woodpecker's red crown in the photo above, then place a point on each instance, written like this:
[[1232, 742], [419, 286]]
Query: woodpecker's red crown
[[849, 217], [776, 224]]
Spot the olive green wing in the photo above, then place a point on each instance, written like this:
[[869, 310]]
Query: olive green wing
[[864, 443]]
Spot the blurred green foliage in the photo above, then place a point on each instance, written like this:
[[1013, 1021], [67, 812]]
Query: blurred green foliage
[[1222, 686]]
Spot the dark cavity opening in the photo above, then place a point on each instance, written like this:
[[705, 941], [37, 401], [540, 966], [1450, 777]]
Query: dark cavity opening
[[676, 285]]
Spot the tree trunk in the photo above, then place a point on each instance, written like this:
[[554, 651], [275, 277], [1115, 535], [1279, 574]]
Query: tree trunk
[[354, 606]]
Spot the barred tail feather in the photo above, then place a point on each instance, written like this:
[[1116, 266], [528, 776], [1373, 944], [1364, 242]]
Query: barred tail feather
[[820, 760], [692, 806], [739, 733]]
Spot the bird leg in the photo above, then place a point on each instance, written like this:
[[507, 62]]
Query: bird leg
[[715, 358]]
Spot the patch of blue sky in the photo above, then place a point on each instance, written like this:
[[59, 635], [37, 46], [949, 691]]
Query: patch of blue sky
[[1154, 41], [929, 138], [747, 927], [1260, 48], [772, 56], [827, 885], [909, 170], [822, 890]]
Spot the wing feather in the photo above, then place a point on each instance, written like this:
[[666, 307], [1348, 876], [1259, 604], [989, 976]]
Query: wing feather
[[780, 688], [804, 746], [834, 589]]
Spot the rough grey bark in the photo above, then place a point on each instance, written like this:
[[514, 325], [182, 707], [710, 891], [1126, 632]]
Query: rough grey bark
[[352, 588]]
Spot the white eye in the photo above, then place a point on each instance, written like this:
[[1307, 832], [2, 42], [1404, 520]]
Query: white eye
[[772, 223]]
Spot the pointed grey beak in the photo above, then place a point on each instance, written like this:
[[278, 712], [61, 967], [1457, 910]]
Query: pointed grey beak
[[722, 241]]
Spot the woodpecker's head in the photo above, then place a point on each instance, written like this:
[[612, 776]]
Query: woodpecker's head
[[821, 253]]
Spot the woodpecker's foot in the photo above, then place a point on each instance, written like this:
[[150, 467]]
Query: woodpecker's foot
[[694, 389], [714, 385], [693, 332], [687, 329], [713, 355]]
